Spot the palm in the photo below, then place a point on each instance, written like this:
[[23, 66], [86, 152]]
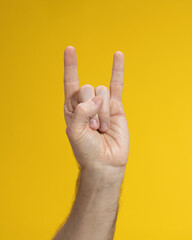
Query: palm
[[110, 147]]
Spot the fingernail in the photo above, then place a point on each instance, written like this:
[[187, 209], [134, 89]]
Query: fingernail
[[93, 123], [104, 126]]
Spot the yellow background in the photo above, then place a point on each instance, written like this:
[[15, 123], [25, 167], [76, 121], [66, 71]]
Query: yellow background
[[37, 169]]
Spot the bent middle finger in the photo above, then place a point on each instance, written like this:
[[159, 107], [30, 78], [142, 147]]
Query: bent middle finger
[[104, 112]]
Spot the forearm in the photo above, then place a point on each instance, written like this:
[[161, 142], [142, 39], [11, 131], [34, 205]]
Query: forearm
[[95, 209]]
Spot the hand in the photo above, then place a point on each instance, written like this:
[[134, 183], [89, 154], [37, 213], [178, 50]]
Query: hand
[[96, 123]]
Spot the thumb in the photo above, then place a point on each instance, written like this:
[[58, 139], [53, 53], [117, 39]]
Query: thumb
[[84, 111]]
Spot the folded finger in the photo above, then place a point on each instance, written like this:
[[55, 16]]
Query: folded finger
[[87, 92], [104, 112]]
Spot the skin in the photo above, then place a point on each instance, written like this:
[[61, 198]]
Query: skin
[[98, 133]]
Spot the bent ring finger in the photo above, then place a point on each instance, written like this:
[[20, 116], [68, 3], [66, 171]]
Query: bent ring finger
[[85, 93]]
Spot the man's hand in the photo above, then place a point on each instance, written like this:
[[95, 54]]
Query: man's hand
[[98, 132], [96, 123]]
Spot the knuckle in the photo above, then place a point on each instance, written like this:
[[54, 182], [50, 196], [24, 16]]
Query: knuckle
[[81, 108], [102, 89], [86, 91], [85, 87]]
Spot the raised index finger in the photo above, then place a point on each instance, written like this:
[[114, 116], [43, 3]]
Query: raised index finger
[[71, 81], [116, 84]]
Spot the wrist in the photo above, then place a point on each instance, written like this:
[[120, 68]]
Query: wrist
[[96, 187], [104, 175]]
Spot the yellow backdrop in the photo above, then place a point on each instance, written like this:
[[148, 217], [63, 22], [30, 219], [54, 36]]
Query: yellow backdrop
[[37, 169]]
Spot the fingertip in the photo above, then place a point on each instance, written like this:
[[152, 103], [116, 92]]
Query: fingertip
[[93, 123], [118, 61], [69, 48], [104, 126], [70, 55], [119, 54]]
